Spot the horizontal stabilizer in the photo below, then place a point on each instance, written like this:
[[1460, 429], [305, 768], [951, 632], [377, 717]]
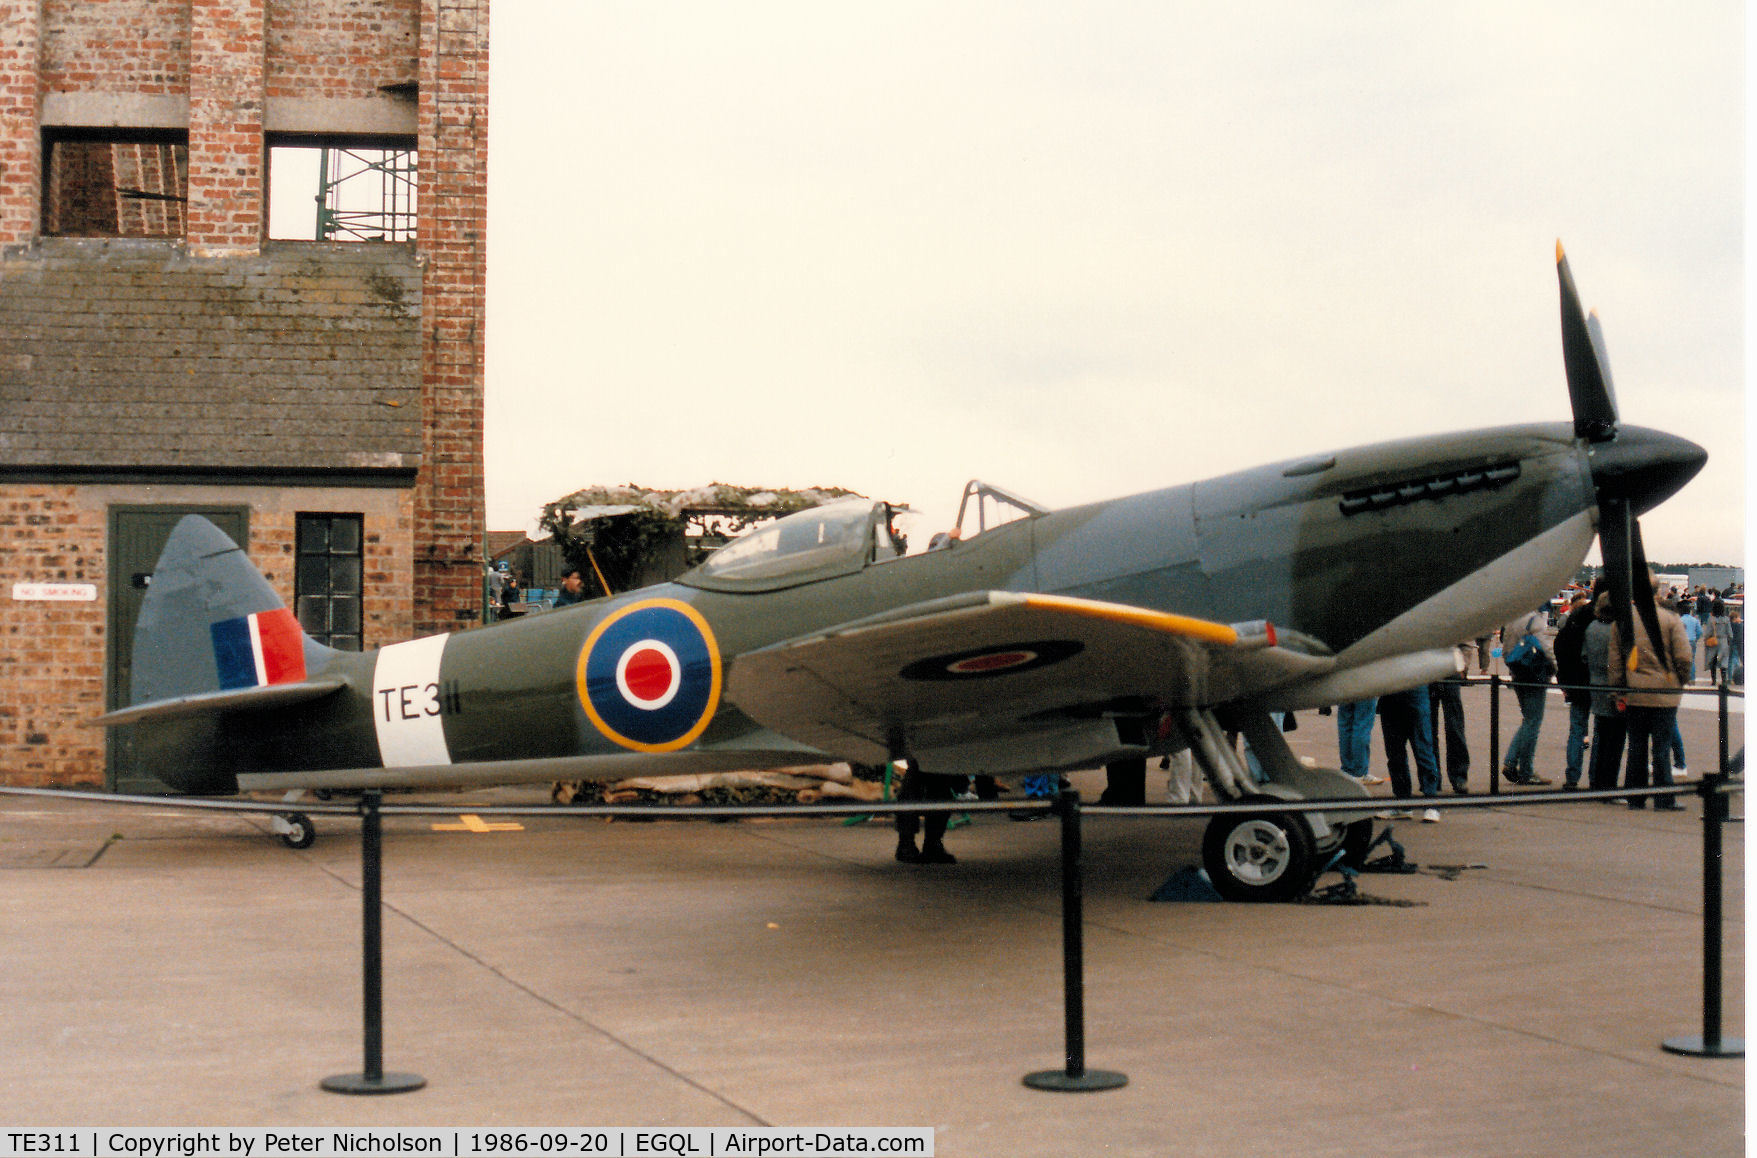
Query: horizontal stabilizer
[[212, 703]]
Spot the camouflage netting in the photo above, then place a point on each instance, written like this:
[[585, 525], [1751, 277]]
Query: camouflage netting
[[618, 533], [723, 499]]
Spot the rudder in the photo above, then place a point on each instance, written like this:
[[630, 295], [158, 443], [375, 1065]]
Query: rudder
[[211, 622]]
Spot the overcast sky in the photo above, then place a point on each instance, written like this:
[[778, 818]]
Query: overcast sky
[[1083, 250]]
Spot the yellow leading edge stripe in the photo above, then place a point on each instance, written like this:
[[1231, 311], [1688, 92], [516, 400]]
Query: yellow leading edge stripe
[[1202, 629]]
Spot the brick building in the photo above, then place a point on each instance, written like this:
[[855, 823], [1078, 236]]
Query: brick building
[[160, 354]]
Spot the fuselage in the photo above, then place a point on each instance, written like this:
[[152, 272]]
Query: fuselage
[[1370, 562], [1335, 549]]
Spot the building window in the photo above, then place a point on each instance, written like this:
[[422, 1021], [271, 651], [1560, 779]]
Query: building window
[[115, 183], [343, 189], [327, 579]]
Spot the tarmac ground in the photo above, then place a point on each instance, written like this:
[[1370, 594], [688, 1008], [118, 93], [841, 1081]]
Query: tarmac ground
[[162, 967]]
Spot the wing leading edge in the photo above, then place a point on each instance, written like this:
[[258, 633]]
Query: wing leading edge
[[998, 677]]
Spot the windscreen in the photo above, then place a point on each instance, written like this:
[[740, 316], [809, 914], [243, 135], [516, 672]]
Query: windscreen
[[824, 540]]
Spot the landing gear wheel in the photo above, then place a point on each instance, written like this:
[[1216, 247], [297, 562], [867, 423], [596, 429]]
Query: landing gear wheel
[[300, 831], [1260, 856]]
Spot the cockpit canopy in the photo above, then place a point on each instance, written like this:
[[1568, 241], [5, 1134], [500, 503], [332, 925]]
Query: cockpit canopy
[[841, 538], [985, 506], [819, 543]]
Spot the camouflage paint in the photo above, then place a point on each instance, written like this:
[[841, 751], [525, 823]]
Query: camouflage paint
[[1329, 548]]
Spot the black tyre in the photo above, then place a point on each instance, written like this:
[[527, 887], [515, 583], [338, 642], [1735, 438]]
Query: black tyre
[[1260, 856], [303, 833]]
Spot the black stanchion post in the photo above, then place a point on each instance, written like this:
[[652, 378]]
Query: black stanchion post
[[1710, 1044], [1076, 1077], [373, 1079], [1494, 733], [1725, 755]]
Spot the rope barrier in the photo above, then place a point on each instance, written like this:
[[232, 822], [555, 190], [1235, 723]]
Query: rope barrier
[[1715, 790]]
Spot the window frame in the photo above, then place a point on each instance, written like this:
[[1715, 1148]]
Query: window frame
[[359, 142], [307, 601], [50, 206]]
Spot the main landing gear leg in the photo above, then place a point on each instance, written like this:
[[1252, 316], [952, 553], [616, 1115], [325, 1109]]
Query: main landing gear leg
[[1274, 854]]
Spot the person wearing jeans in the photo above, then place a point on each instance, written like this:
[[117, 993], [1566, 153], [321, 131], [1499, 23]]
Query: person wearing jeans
[[1354, 738], [1652, 699], [1517, 767], [1409, 727], [1531, 693]]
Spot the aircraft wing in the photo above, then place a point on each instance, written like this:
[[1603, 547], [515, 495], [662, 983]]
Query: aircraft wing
[[997, 678]]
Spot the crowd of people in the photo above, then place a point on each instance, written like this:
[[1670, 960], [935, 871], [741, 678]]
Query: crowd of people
[[1624, 714]]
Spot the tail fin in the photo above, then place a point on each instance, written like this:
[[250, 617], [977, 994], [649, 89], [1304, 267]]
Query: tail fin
[[210, 622]]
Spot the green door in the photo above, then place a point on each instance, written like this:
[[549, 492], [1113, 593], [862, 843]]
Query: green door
[[137, 535]]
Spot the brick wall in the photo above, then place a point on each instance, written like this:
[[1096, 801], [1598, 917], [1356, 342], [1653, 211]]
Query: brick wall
[[52, 658], [227, 77], [230, 58], [20, 156], [453, 232], [306, 356], [140, 47], [341, 48], [53, 673], [184, 332], [312, 48]]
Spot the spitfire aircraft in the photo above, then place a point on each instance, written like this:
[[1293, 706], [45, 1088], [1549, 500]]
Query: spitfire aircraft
[[1038, 640]]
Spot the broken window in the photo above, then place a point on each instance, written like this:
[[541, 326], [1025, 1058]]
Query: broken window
[[341, 189], [115, 184]]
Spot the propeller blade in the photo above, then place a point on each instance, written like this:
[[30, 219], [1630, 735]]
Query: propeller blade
[[1641, 590], [1596, 331], [1630, 474], [1589, 391], [1615, 541]]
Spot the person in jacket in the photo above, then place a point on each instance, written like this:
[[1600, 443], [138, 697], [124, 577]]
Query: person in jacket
[[573, 589], [1651, 702], [1692, 629], [1529, 687], [1736, 665], [1717, 643], [1571, 673], [1609, 729], [1692, 632]]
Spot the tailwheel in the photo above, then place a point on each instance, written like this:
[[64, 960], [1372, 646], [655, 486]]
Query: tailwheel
[[296, 830], [1260, 856]]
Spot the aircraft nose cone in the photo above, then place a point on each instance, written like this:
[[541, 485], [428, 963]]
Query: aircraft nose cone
[[1644, 467]]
